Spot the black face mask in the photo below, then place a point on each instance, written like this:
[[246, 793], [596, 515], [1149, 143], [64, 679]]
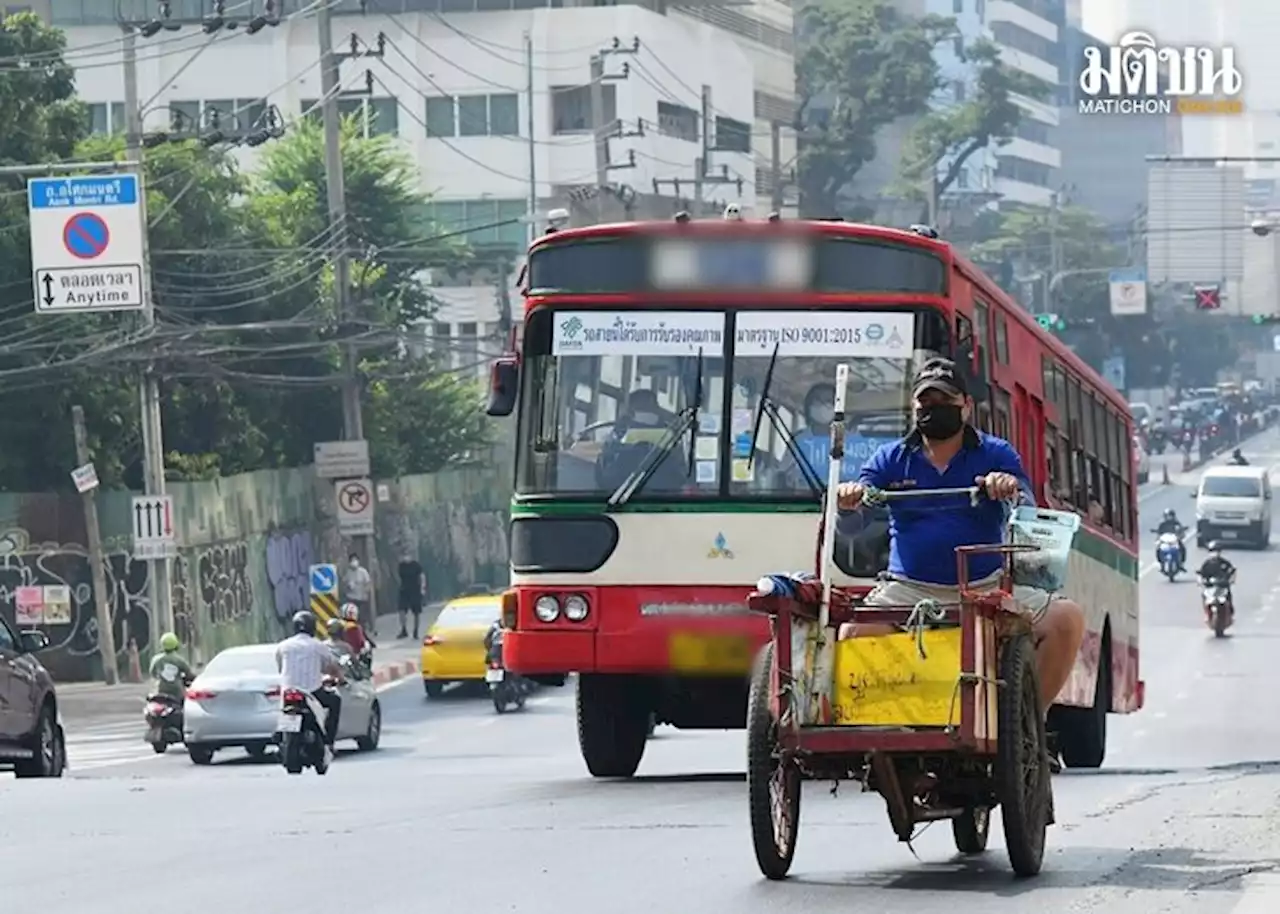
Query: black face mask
[[939, 421]]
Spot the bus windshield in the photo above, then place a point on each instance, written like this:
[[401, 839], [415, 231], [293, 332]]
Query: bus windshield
[[602, 391]]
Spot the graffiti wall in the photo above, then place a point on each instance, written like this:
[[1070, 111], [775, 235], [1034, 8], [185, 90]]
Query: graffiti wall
[[246, 544]]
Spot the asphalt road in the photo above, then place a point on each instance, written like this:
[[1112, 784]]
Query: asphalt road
[[463, 810]]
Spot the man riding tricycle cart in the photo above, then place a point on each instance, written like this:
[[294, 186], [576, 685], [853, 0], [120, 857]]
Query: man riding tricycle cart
[[932, 689]]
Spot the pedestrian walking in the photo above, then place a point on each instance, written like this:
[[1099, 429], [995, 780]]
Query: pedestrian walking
[[357, 586], [413, 589]]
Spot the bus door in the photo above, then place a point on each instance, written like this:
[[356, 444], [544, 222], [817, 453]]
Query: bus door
[[1028, 417]]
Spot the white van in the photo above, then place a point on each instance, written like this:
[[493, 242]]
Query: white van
[[1233, 505]]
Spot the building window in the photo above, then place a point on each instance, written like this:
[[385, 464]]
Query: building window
[[571, 108], [504, 115], [957, 45], [957, 6], [440, 116], [441, 340], [1020, 39], [732, 136], [981, 8], [15, 10], [468, 346], [231, 113], [376, 116], [678, 121], [1032, 130], [473, 115], [184, 117], [104, 118], [958, 90], [1013, 168], [481, 222]]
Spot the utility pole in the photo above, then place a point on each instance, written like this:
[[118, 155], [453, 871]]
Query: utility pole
[[599, 131], [158, 582], [775, 167], [97, 560], [533, 140], [704, 160], [1055, 250], [702, 176], [335, 185]]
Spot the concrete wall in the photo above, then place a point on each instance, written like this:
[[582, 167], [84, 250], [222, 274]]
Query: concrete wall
[[246, 544]]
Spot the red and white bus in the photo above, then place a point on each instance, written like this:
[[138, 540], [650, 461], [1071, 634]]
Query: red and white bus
[[673, 380]]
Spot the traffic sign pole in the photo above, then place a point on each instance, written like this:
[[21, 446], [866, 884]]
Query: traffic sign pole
[[161, 591], [101, 598]]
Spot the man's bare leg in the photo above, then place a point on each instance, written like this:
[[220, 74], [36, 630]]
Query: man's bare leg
[[1059, 634]]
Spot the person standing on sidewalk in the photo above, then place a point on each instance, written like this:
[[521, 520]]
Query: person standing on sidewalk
[[357, 586], [413, 587]]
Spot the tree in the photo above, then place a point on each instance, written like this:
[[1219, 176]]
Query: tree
[[945, 140], [1061, 258], [864, 64]]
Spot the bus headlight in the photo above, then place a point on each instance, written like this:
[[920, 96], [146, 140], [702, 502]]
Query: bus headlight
[[547, 608], [575, 608]]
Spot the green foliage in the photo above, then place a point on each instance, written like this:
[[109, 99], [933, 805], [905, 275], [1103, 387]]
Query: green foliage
[[864, 64], [950, 137], [247, 341]]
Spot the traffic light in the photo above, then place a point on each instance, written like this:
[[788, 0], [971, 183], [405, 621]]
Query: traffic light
[[1208, 298], [1261, 319], [1051, 322]]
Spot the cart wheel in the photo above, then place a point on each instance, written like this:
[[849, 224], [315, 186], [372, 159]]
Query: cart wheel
[[773, 785], [1022, 767], [971, 829]]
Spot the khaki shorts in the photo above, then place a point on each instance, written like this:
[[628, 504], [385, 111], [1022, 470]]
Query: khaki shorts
[[901, 592]]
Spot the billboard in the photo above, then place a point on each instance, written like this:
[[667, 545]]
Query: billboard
[[1196, 223]]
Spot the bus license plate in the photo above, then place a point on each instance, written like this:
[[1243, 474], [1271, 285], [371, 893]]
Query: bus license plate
[[289, 723], [493, 675], [1228, 534], [710, 655]]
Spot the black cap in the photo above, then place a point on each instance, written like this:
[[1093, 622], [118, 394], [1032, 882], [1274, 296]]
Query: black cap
[[940, 374]]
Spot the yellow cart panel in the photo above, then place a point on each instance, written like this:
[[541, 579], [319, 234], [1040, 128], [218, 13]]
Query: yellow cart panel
[[883, 681]]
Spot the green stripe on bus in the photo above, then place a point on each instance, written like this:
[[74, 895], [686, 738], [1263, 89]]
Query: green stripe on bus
[[1088, 543]]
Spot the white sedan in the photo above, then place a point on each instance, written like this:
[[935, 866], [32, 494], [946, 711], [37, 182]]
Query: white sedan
[[235, 703]]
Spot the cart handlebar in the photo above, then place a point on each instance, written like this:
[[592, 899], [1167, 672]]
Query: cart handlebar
[[872, 496]]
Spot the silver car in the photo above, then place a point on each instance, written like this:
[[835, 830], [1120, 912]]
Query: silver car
[[235, 702]]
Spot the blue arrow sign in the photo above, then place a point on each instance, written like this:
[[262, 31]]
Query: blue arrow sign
[[324, 579]]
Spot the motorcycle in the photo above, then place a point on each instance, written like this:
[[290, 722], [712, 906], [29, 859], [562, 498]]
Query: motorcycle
[[300, 731], [1169, 555], [163, 714], [1217, 607], [505, 688]]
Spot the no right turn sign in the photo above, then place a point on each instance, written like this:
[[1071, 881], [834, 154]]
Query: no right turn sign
[[354, 498]]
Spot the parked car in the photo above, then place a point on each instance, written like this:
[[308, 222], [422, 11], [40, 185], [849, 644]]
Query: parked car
[[32, 741], [453, 649], [235, 703]]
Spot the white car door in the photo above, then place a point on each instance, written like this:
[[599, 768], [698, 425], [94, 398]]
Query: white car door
[[357, 699]]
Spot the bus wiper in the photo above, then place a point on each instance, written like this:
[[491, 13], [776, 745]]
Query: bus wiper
[[685, 420], [770, 409]]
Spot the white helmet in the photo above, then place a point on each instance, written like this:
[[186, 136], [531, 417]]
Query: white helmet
[[350, 612]]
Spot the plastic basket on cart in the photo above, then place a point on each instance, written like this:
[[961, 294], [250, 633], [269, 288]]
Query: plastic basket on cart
[[1052, 532]]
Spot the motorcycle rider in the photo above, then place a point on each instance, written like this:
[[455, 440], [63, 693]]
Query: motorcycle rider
[[170, 669], [1171, 524], [304, 661], [1238, 459], [1217, 568], [337, 631]]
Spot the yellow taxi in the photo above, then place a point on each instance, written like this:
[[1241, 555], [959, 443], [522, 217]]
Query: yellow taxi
[[453, 649]]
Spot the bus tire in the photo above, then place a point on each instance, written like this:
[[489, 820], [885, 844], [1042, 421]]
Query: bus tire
[[613, 724], [1082, 732]]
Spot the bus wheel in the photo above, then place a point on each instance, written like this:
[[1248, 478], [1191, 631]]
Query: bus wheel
[[613, 724], [1082, 732]]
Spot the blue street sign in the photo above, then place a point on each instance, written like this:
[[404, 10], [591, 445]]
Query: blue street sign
[[324, 579]]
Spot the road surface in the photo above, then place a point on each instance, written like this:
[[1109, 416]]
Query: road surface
[[463, 810]]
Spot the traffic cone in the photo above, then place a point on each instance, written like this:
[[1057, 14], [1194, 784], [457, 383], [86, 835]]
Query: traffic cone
[[1164, 474], [135, 662]]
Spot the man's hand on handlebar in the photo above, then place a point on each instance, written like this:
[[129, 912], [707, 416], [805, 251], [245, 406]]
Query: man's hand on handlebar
[[999, 486], [849, 495]]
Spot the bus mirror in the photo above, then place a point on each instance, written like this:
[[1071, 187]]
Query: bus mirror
[[504, 382]]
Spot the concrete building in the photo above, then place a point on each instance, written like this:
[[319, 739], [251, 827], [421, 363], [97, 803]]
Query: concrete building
[[1029, 34], [492, 97]]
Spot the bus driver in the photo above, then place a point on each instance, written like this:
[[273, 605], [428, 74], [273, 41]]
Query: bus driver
[[945, 451]]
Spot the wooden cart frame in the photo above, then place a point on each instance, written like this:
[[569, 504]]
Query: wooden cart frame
[[993, 755]]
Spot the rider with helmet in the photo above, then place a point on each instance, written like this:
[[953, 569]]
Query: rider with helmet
[[1238, 459], [1217, 568], [170, 669], [304, 661], [1170, 524], [337, 631], [360, 642]]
